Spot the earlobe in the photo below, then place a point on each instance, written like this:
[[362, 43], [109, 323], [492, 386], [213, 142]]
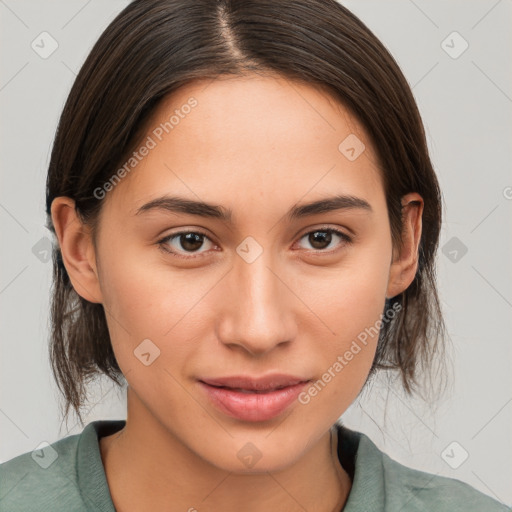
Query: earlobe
[[405, 263], [78, 254]]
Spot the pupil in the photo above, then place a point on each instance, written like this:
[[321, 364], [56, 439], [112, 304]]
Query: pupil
[[323, 237]]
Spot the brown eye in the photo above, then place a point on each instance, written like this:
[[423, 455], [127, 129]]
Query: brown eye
[[184, 242], [190, 241], [321, 239]]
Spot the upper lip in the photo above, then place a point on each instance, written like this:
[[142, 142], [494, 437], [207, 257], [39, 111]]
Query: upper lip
[[267, 382]]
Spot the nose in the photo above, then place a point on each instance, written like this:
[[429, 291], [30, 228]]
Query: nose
[[257, 314]]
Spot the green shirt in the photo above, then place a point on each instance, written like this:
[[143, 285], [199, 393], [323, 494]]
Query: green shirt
[[68, 475]]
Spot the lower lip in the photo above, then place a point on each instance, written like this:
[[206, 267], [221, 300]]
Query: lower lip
[[253, 406]]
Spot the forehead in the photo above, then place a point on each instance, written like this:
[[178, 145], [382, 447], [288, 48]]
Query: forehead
[[267, 137]]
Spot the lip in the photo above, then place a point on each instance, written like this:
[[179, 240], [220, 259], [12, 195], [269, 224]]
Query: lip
[[253, 399]]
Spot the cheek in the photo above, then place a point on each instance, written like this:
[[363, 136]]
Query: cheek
[[346, 359], [137, 288], [350, 297], [149, 301], [352, 307]]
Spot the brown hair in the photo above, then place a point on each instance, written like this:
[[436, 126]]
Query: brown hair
[[155, 46]]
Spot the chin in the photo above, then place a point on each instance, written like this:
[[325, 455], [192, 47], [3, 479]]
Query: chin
[[269, 450]]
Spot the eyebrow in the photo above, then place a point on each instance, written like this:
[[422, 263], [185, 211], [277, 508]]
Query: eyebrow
[[176, 204]]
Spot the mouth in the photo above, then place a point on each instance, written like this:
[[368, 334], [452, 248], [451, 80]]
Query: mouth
[[255, 384], [249, 391], [253, 399]]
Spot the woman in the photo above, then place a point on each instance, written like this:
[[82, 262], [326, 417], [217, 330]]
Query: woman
[[247, 220]]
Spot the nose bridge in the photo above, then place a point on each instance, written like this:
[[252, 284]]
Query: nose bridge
[[259, 316]]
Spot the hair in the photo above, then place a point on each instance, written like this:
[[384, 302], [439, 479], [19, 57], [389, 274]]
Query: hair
[[152, 48]]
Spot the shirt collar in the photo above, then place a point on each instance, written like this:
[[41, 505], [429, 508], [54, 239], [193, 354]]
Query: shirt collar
[[357, 454], [92, 480], [362, 460]]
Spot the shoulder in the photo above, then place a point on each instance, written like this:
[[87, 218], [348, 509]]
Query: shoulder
[[44, 479], [383, 484], [409, 489], [425, 491]]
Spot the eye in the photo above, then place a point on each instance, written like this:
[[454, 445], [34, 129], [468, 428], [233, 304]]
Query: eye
[[183, 242], [321, 238]]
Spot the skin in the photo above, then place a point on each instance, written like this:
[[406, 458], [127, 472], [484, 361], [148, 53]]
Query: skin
[[258, 146]]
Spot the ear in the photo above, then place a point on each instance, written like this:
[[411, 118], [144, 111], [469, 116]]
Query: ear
[[78, 254], [405, 262]]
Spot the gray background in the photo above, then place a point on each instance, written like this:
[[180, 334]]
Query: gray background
[[466, 103]]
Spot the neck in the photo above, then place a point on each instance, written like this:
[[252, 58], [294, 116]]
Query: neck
[[148, 468]]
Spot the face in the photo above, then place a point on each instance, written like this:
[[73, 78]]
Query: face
[[253, 286]]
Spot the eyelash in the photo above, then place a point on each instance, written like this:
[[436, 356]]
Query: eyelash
[[163, 243]]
